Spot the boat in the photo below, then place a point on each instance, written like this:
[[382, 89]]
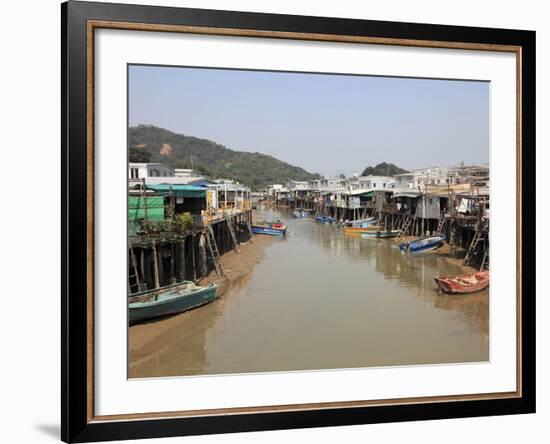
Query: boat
[[423, 244], [277, 224], [269, 229], [464, 283], [172, 299], [361, 223], [382, 234], [361, 230], [324, 219], [300, 214]]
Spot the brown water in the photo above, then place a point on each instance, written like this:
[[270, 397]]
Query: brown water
[[322, 299]]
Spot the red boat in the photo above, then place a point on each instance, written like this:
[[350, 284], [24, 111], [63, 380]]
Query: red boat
[[465, 283]]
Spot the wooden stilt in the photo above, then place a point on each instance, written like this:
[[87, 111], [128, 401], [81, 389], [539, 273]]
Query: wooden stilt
[[156, 265]]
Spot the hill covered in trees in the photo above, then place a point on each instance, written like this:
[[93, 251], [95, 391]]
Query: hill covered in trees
[[153, 144], [383, 169]]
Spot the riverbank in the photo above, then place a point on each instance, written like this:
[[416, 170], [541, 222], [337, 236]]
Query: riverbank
[[148, 341]]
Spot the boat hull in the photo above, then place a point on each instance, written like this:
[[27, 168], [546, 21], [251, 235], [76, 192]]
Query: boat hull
[[423, 244], [324, 219], [463, 284], [269, 231], [360, 230], [380, 234], [188, 299]]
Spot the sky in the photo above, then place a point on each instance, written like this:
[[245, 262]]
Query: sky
[[325, 123]]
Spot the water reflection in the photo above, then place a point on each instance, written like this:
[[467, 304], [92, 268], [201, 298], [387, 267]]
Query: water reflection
[[324, 299]]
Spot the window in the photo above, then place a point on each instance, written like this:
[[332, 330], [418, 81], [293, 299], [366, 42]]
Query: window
[[374, 185], [134, 173], [384, 185]]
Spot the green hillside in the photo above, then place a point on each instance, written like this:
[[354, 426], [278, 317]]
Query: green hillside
[[152, 144], [383, 169]]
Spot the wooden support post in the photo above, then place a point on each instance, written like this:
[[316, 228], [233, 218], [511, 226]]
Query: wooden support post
[[193, 256], [173, 262], [156, 265], [182, 259]]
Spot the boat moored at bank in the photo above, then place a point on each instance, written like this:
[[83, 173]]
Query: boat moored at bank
[[269, 229], [169, 300], [380, 234], [423, 244], [464, 283]]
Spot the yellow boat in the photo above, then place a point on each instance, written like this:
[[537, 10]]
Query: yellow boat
[[359, 230]]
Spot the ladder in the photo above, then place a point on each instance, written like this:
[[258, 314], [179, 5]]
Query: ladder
[[213, 250], [231, 229], [485, 261], [404, 228], [440, 224], [135, 274], [472, 248], [249, 228]]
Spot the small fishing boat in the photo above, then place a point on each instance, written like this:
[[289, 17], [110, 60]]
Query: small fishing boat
[[300, 214], [169, 300], [361, 223], [361, 230], [423, 244], [269, 229], [383, 234], [324, 219], [277, 225], [464, 283]]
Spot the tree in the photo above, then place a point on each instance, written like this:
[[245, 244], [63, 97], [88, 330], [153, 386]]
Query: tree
[[383, 169], [139, 154]]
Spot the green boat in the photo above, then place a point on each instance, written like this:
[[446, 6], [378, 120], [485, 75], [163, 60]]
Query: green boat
[[381, 234], [169, 300]]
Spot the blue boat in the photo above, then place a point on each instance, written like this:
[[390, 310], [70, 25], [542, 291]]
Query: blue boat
[[260, 229], [300, 214], [169, 300], [324, 219], [423, 244]]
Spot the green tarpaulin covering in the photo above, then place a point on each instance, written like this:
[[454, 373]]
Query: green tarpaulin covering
[[136, 209], [179, 190], [366, 194]]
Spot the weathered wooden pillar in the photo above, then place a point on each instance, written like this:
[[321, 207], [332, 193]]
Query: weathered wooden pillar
[[182, 259], [173, 262], [162, 272], [202, 256], [193, 256], [155, 265]]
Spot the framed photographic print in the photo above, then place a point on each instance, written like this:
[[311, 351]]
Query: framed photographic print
[[275, 221]]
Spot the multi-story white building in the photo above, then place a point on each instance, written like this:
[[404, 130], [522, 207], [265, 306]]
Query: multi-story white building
[[375, 183], [146, 170]]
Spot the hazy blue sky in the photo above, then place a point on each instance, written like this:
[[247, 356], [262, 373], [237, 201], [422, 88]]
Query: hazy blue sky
[[324, 123]]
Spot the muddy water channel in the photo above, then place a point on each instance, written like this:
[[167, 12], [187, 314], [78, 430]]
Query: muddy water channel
[[321, 299]]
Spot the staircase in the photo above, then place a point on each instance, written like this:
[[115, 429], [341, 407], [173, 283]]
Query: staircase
[[231, 229], [213, 251]]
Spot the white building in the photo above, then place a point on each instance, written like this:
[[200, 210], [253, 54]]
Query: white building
[[375, 183], [146, 170]]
